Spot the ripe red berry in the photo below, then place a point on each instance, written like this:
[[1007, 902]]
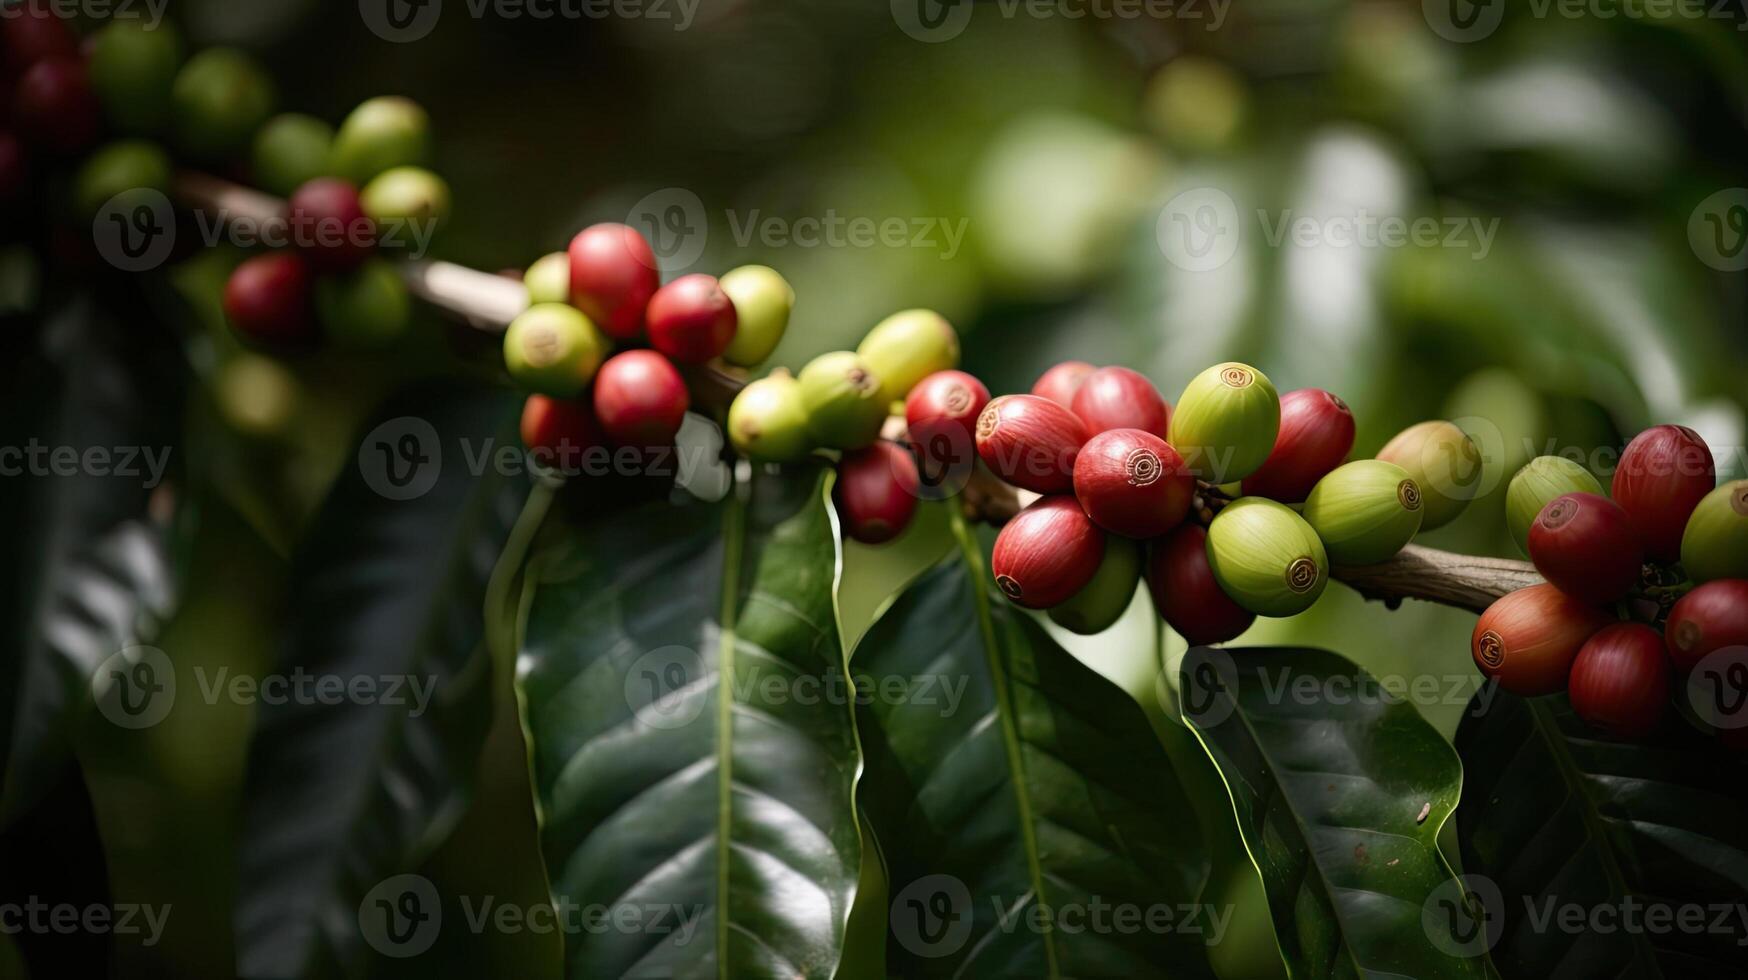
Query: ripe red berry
[[640, 399], [1185, 593], [14, 168], [1585, 544], [876, 493], [329, 225], [560, 432], [613, 275], [941, 414], [54, 106], [1663, 475], [1132, 483], [267, 301], [1528, 639], [1620, 681], [30, 32], [1118, 398], [1060, 383], [1030, 442], [1709, 618], [1047, 553], [691, 319], [1317, 433]]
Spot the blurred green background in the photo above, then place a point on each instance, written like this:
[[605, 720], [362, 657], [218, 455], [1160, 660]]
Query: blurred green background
[[1590, 151]]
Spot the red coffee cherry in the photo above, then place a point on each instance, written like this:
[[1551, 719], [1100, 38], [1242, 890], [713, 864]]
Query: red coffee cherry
[[1528, 639], [1030, 442], [1317, 433], [31, 32], [691, 319], [1047, 553], [1185, 593], [1132, 483], [1060, 383], [1620, 681], [267, 301], [613, 275], [640, 399], [941, 414], [560, 433], [54, 107], [1710, 618], [329, 226], [1585, 544], [1118, 398], [876, 493], [1663, 475]]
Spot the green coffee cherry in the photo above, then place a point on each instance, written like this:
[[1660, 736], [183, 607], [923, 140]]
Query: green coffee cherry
[[381, 134], [221, 96], [367, 307], [292, 150], [256, 395], [842, 397], [133, 70], [549, 279], [120, 167], [407, 196], [1226, 422], [1266, 558], [768, 421], [1715, 545], [1445, 462], [762, 303], [907, 347], [1365, 512], [1536, 485], [553, 349], [1102, 601]]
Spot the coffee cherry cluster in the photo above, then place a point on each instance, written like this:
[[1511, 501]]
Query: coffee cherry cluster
[[1611, 626]]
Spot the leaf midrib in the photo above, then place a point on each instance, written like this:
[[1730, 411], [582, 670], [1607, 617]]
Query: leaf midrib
[[734, 543]]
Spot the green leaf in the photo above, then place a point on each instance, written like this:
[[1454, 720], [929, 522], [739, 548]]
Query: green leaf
[[1016, 793], [1340, 791], [344, 794], [723, 818], [1557, 820]]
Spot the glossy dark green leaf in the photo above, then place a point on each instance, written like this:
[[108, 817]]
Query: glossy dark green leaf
[[387, 589], [1566, 825], [1340, 791], [719, 819], [1020, 798]]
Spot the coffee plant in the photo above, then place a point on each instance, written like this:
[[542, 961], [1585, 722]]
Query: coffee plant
[[729, 773]]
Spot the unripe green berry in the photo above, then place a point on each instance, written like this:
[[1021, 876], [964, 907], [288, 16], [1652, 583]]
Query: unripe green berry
[[907, 347], [367, 307], [1536, 485], [120, 167], [1365, 512], [405, 196], [1266, 558], [221, 97], [133, 70], [762, 303], [1715, 545], [842, 395], [553, 349], [382, 133], [549, 279], [291, 150], [1226, 422], [1446, 464], [768, 421], [1102, 601]]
